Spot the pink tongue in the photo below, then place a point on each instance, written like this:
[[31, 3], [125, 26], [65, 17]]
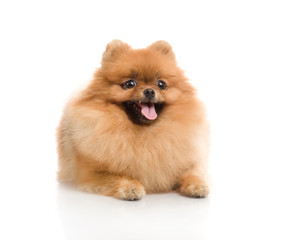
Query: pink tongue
[[148, 110]]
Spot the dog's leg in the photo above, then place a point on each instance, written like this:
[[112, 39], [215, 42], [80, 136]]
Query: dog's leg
[[107, 184], [192, 185]]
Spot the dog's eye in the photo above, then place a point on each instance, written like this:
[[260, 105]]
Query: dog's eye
[[161, 84], [131, 83]]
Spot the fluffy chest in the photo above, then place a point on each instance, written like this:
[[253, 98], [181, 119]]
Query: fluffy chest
[[157, 160]]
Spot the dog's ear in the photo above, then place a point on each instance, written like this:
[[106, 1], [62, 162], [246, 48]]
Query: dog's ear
[[114, 49], [163, 47]]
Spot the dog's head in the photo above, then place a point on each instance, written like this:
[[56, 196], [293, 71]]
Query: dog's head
[[142, 81]]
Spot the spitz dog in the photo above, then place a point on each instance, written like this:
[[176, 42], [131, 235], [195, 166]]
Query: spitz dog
[[137, 128]]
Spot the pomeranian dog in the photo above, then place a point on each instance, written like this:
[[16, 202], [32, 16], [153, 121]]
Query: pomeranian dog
[[137, 128]]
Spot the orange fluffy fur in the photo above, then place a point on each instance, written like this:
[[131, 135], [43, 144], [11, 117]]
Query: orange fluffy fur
[[102, 151]]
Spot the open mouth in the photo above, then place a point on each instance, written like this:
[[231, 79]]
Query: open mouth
[[147, 109], [143, 112]]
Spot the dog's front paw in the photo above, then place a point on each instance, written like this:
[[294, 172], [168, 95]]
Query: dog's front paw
[[196, 191], [193, 186], [130, 190]]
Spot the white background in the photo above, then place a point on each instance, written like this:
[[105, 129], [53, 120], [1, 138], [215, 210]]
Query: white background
[[243, 58]]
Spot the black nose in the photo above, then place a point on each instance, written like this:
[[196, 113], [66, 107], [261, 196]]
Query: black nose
[[149, 93]]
